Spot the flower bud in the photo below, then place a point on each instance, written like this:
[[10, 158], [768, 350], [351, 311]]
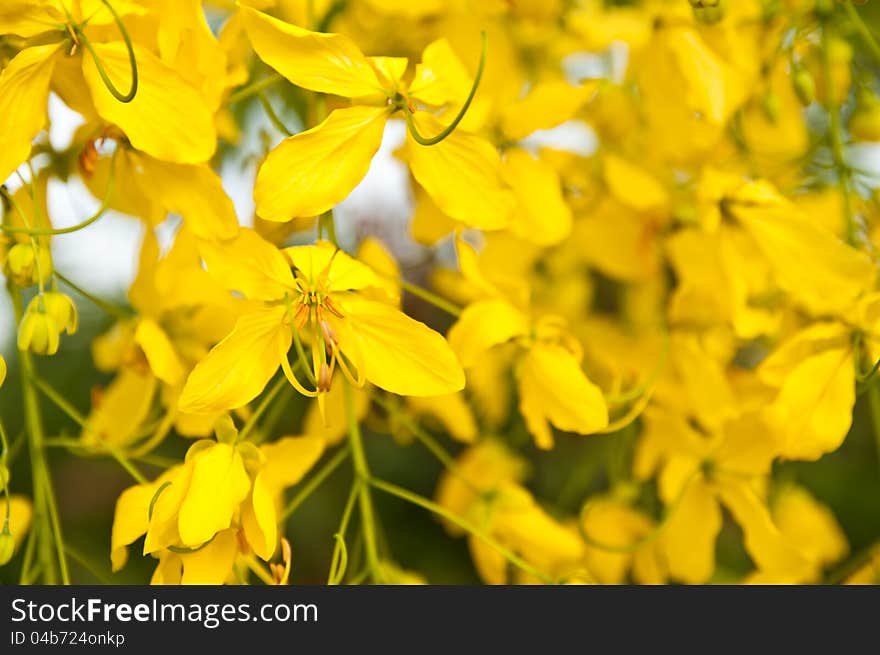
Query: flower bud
[[38, 332], [804, 86], [709, 12], [61, 308], [2, 370], [22, 264], [824, 8], [225, 430], [7, 544], [770, 104]]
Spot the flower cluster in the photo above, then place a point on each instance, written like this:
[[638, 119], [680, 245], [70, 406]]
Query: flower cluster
[[638, 280]]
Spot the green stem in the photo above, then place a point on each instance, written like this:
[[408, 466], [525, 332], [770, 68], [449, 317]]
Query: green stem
[[339, 560], [112, 310], [105, 205], [84, 562], [254, 88], [432, 298], [462, 523], [64, 405], [326, 225], [853, 564], [362, 474], [862, 29], [273, 116], [267, 400], [44, 495], [428, 442], [161, 432], [314, 482], [426, 141], [874, 402]]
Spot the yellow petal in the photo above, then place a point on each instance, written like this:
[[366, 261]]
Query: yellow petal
[[160, 353], [194, 192], [378, 258], [167, 119], [485, 324], [21, 515], [258, 519], [288, 459], [441, 77], [813, 411], [766, 545], [390, 70], [239, 367], [123, 407], [633, 186], [130, 520], [168, 571], [836, 274], [250, 265], [26, 18], [219, 483], [553, 388], [397, 353], [689, 537], [313, 171], [542, 216], [163, 529], [324, 262], [452, 411], [546, 106], [327, 63], [212, 564], [24, 98], [809, 524], [462, 176]]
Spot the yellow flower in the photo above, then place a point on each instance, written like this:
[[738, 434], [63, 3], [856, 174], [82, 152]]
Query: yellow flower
[[811, 529], [701, 472], [221, 501], [549, 364], [307, 175], [165, 118], [369, 340]]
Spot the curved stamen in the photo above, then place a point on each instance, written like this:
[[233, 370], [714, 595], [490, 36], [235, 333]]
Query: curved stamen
[[116, 93], [467, 103], [291, 377]]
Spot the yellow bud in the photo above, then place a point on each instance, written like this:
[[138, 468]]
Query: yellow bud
[[21, 264], [61, 308], [2, 370], [824, 7], [7, 545], [225, 429], [709, 12], [770, 104], [804, 86], [38, 333], [253, 457]]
